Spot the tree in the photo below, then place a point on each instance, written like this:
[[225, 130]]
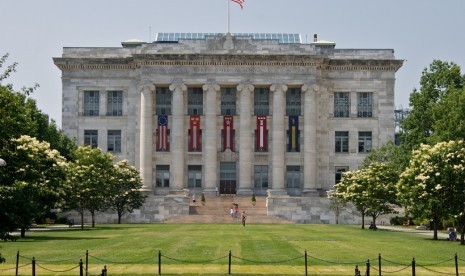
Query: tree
[[20, 116], [449, 116], [433, 185], [436, 85], [89, 180], [372, 190], [125, 194], [390, 154], [336, 204], [32, 182]]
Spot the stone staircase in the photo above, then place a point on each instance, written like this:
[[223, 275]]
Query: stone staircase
[[217, 210]]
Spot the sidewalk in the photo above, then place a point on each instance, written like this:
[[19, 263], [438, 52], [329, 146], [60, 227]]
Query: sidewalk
[[412, 230]]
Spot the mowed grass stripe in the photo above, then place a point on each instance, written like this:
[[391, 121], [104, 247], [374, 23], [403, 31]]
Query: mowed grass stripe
[[132, 249]]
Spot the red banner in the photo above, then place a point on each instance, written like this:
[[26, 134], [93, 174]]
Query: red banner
[[194, 141], [228, 133], [262, 139]]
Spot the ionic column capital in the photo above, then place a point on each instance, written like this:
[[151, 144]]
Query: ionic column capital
[[178, 86], [147, 87], [245, 87], [211, 86], [278, 87], [308, 88]]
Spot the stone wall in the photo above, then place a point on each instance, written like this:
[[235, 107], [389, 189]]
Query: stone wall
[[310, 210], [155, 209]]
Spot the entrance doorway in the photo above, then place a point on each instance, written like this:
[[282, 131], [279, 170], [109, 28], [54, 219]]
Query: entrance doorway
[[228, 178]]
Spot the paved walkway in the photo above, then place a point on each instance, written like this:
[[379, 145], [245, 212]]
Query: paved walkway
[[413, 230]]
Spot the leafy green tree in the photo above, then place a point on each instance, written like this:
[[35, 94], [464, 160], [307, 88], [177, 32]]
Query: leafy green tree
[[390, 154], [89, 181], [436, 86], [125, 194], [372, 190], [20, 116], [32, 182], [433, 185], [449, 116]]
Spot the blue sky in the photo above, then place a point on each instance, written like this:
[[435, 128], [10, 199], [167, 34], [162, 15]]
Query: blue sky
[[33, 32]]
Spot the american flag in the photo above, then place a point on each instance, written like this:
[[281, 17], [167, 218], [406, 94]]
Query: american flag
[[240, 2], [162, 133]]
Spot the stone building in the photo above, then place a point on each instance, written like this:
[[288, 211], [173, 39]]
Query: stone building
[[237, 113]]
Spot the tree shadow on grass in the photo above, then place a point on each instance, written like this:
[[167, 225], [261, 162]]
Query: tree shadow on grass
[[38, 238]]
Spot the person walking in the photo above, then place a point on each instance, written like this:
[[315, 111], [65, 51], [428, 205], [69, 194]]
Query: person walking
[[231, 212], [243, 217]]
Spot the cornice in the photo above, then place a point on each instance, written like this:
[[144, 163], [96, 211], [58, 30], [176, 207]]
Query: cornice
[[205, 60]]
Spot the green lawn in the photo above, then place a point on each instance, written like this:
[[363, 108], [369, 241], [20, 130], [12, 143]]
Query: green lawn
[[200, 249]]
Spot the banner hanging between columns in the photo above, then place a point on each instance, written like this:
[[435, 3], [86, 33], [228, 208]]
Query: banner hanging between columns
[[162, 143], [194, 143], [262, 143], [293, 145], [228, 133]]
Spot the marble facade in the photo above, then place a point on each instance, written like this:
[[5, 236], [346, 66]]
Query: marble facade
[[318, 70]]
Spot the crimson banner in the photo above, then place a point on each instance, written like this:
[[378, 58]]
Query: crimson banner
[[262, 139], [228, 133], [194, 141]]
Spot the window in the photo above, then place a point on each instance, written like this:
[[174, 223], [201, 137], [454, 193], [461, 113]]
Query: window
[[339, 171], [261, 176], [341, 104], [293, 102], [163, 176], [114, 141], [228, 171], [194, 176], [293, 176], [364, 104], [163, 101], [342, 141], [195, 101], [115, 103], [228, 101], [91, 103], [261, 102], [91, 138], [364, 141]]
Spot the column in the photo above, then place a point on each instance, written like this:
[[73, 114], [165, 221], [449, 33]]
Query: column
[[145, 145], [278, 139], [310, 140], [245, 141], [177, 138], [211, 152]]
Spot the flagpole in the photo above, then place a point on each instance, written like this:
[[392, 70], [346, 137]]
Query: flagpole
[[228, 15]]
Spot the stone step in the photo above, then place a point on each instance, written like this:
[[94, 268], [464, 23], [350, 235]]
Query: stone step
[[217, 210], [251, 219]]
